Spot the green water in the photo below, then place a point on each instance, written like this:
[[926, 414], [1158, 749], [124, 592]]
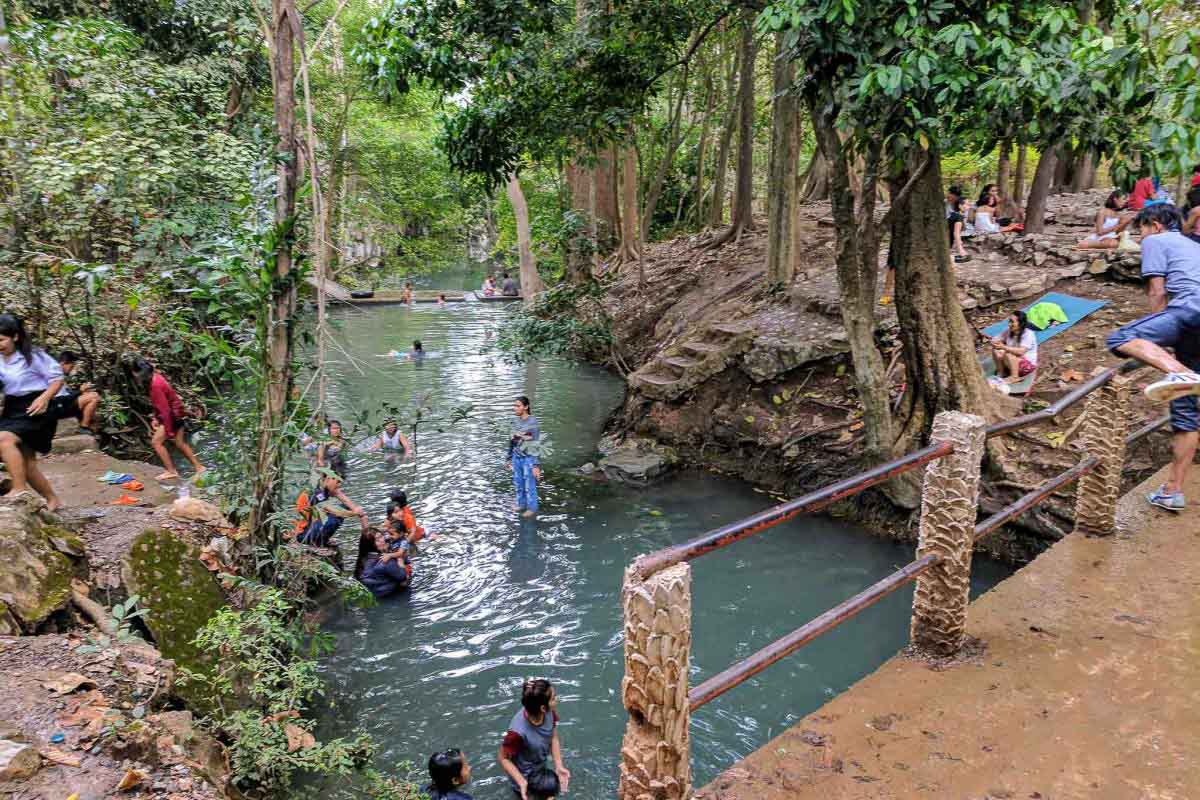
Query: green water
[[498, 599]]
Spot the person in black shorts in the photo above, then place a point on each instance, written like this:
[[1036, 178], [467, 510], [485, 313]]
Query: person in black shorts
[[79, 403]]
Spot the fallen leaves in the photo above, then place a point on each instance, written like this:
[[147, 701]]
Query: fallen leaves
[[56, 756], [1071, 375], [133, 778]]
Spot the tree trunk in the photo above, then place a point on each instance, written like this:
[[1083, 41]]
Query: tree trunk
[[604, 190], [716, 208], [630, 237], [1063, 164], [816, 179], [664, 166], [1004, 165], [742, 212], [1035, 210], [531, 282], [1018, 189], [781, 185], [942, 369], [1084, 176], [276, 323], [581, 249], [710, 96], [858, 271]]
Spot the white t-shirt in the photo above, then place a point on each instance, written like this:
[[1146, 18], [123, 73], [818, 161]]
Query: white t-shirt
[[1028, 341]]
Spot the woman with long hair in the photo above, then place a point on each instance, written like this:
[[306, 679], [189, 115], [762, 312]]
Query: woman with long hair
[[1015, 350], [31, 379], [167, 420], [1108, 224]]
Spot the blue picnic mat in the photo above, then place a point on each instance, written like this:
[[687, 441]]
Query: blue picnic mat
[[1076, 308]]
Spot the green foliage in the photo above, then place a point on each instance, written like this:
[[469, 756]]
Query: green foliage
[[566, 321], [123, 615], [264, 677]]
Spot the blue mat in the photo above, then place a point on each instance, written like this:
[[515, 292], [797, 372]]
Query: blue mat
[[1076, 308]]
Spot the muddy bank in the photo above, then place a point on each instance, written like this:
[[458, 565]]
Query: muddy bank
[[730, 376], [87, 706]]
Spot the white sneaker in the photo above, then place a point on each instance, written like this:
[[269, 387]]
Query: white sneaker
[[1174, 386]]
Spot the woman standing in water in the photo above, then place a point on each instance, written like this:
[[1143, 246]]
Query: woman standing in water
[[331, 453], [31, 379], [523, 460]]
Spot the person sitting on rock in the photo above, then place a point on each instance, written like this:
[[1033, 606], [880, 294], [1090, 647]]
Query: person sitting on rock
[[1015, 351], [79, 403], [956, 223], [1108, 224], [987, 212], [320, 515]]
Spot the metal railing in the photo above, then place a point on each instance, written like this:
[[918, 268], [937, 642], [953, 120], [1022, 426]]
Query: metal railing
[[657, 599]]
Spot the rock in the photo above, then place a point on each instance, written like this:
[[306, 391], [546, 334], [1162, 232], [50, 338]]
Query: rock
[[73, 444], [587, 469], [67, 682], [18, 761], [1099, 266], [35, 572], [179, 595], [1039, 258], [637, 462], [195, 510]]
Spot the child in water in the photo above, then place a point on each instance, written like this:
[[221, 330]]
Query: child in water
[[416, 354], [448, 770], [441, 301], [532, 736]]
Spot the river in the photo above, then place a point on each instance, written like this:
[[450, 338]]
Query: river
[[497, 599]]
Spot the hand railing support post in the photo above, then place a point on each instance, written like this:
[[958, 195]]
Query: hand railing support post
[[655, 758], [949, 499], [1104, 427]]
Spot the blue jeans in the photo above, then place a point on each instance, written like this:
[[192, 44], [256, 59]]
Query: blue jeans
[[1173, 327], [524, 482]]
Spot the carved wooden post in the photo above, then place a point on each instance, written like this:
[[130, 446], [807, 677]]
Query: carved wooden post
[[655, 762], [1105, 424], [949, 500]]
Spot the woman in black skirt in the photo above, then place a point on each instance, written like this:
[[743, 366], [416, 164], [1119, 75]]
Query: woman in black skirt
[[31, 379]]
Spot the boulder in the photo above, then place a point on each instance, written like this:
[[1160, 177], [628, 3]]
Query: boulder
[[1098, 266], [193, 509], [637, 462], [18, 761], [38, 559], [179, 596]]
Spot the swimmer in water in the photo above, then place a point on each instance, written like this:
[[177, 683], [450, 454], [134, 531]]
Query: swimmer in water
[[441, 301], [392, 438], [416, 354], [406, 296]]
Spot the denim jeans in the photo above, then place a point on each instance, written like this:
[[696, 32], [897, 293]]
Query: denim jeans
[[524, 482]]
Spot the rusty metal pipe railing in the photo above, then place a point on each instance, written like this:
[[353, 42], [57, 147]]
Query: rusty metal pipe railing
[[1031, 499], [812, 502], [725, 680], [1063, 403], [1147, 429]]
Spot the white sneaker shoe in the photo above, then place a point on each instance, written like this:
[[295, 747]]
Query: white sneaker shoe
[[1174, 386]]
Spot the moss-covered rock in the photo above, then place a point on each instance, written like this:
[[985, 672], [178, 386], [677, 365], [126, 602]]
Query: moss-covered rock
[[177, 592], [38, 559]]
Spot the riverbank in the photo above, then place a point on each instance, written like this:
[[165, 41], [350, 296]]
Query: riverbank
[[729, 376], [86, 708], [1081, 684]]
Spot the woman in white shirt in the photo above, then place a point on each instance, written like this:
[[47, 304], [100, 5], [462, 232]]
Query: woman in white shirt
[[1015, 350], [31, 379]]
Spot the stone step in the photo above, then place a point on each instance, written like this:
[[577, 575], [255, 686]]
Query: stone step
[[681, 362], [73, 444], [657, 379], [67, 427], [700, 348], [729, 328]]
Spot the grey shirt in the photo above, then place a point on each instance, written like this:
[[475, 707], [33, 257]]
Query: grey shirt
[[508, 288], [528, 745], [1175, 258], [524, 430]]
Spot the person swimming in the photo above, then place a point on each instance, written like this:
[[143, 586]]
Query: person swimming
[[392, 438], [441, 301], [416, 354]]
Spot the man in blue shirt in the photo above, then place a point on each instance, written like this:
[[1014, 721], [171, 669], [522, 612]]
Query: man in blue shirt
[[1171, 265]]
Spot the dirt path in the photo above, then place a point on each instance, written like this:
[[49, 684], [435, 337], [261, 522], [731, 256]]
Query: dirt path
[[1086, 687]]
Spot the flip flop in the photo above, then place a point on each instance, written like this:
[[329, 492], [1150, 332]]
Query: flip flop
[[1174, 386], [125, 500], [133, 486], [108, 477]]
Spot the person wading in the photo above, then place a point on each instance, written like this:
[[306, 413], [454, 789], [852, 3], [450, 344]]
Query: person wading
[[523, 460]]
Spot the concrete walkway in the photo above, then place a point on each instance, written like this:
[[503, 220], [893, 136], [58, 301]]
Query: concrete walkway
[[1087, 686]]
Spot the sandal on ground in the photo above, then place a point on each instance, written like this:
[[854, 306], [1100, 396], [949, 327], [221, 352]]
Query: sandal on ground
[[1174, 386]]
